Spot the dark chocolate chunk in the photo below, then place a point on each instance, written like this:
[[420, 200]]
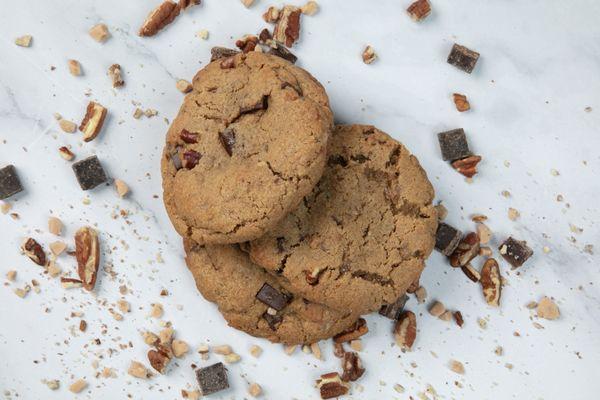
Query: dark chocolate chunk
[[454, 145], [191, 158], [272, 320], [221, 52], [337, 159], [9, 182], [89, 173], [393, 311], [284, 53], [272, 297], [262, 104], [188, 137], [227, 138], [516, 252], [212, 379], [280, 244], [463, 58], [447, 239]]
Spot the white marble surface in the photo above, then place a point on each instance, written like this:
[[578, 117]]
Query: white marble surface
[[539, 70]]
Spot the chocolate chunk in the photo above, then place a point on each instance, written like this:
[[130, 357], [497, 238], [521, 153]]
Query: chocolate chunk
[[272, 320], [227, 138], [212, 379], [393, 311], [516, 252], [447, 239], [272, 297], [284, 53], [175, 159], [191, 158], [463, 58], [337, 159], [262, 104], [221, 52], [352, 367], [188, 137], [89, 173], [9, 182], [454, 145]]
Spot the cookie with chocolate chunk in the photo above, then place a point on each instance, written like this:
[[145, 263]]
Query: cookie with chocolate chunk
[[252, 300], [362, 236], [248, 144]]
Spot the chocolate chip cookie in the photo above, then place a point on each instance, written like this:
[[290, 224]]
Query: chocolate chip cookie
[[253, 301], [363, 234], [248, 144]]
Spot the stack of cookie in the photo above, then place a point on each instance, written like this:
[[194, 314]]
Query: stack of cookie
[[292, 226]]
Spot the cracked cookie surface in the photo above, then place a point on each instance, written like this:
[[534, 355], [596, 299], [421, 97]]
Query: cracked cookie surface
[[362, 236], [225, 275], [248, 144]]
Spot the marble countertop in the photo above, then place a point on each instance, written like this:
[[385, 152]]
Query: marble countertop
[[537, 75]]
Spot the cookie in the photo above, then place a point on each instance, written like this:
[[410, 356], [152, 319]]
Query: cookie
[[362, 236], [225, 275], [248, 144]]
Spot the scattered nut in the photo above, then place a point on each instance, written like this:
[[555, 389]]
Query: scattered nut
[[157, 310], [331, 385], [55, 226], [74, 67], [368, 55], [287, 30], [114, 72], [65, 153], [254, 390], [232, 358], [184, 86], [161, 16], [57, 247], [467, 166], [547, 309], [255, 351], [247, 3], [92, 121], [122, 188], [24, 41], [458, 318], [138, 370], [67, 126], [180, 348], [52, 384], [405, 331], [461, 102], [271, 15], [99, 33], [310, 8], [352, 367], [11, 275], [87, 252], [457, 366], [222, 350], [467, 249], [159, 358], [34, 251], [513, 214], [421, 294], [78, 386], [437, 309], [491, 282], [484, 233]]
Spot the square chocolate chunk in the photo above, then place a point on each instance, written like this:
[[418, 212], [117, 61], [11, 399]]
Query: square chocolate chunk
[[212, 379], [393, 311], [447, 239], [284, 53], [516, 252], [272, 297], [463, 58], [89, 173], [454, 145], [9, 182]]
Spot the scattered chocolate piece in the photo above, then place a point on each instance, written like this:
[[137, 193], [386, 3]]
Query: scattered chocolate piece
[[227, 139], [272, 320], [467, 249], [463, 58], [458, 318], [158, 18], [419, 10], [191, 158], [284, 53], [352, 367], [272, 297], [491, 282], [89, 173], [10, 184], [358, 329], [262, 104], [188, 137], [176, 159], [516, 252], [114, 72], [405, 330], [32, 249], [287, 29], [330, 385], [221, 52], [467, 166], [461, 102], [454, 145], [447, 239], [92, 122], [393, 311], [212, 379]]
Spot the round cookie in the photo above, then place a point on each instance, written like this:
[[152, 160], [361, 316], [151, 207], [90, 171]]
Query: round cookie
[[362, 236], [225, 275], [248, 144]]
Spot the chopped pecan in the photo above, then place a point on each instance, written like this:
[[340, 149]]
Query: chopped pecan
[[114, 72], [461, 102], [70, 283], [491, 282], [271, 15], [467, 249], [458, 318], [32, 249], [467, 166], [330, 385], [87, 252], [338, 350], [247, 43], [93, 121], [369, 55], [352, 367], [405, 331], [158, 18], [419, 10], [184, 4], [357, 329], [66, 153], [264, 36], [287, 30], [159, 358], [471, 272]]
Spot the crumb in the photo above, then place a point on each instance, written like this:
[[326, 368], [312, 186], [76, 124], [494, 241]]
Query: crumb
[[399, 388], [499, 350], [99, 33], [254, 390], [11, 275], [310, 8], [24, 41], [356, 345], [157, 310], [247, 3], [437, 309], [232, 358], [78, 386], [421, 294], [122, 188], [67, 126], [52, 384], [55, 226], [457, 366], [137, 113], [368, 55], [289, 349], [138, 370], [482, 323], [256, 351], [513, 214], [74, 67], [547, 309], [203, 34], [184, 86], [222, 349], [180, 348]]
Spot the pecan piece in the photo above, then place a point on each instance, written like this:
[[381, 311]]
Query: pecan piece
[[419, 10], [491, 282], [357, 329], [471, 272], [92, 121], [87, 253], [247, 43], [352, 367], [369, 55], [271, 15], [184, 4], [405, 331], [66, 153], [467, 166], [461, 102], [158, 18], [32, 249], [114, 72], [467, 249], [287, 30], [330, 385], [458, 318], [159, 358]]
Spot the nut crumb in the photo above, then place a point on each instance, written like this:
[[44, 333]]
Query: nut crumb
[[457, 366], [67, 126], [138, 370], [11, 275], [356, 345], [256, 351], [399, 388], [114, 72], [289, 349], [52, 384], [99, 33], [66, 153], [157, 310], [421, 294], [55, 226], [368, 55], [437, 309], [184, 86], [222, 349], [247, 3], [316, 351], [461, 102], [232, 358], [24, 41], [180, 348], [310, 8], [203, 34], [78, 386], [547, 309], [74, 67], [122, 188], [419, 10], [254, 390], [499, 350], [513, 214]]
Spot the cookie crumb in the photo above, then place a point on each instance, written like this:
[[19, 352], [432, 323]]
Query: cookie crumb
[[11, 275], [180, 348], [256, 351], [247, 3], [310, 8], [421, 294], [99, 33], [157, 310], [254, 390], [457, 366], [547, 309], [369, 55], [78, 386], [513, 214]]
